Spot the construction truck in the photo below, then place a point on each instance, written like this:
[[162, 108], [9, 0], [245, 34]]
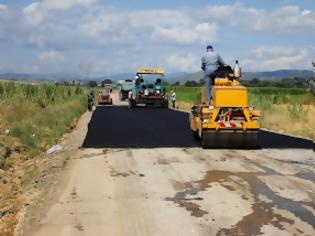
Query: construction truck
[[149, 88], [105, 95], [124, 86], [312, 82], [227, 120]]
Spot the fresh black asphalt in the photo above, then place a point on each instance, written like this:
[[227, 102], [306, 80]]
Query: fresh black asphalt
[[120, 127]]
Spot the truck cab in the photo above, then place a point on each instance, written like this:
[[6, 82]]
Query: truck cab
[[124, 86]]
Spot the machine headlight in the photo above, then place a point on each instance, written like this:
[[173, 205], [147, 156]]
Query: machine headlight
[[211, 107]]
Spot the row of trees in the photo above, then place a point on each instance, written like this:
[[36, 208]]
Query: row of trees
[[93, 83], [283, 83]]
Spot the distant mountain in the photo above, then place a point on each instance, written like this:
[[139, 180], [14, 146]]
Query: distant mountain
[[125, 76], [278, 74], [183, 77], [171, 77], [42, 77], [121, 76], [266, 75]]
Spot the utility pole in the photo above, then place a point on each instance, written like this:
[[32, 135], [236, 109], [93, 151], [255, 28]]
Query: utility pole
[[313, 63]]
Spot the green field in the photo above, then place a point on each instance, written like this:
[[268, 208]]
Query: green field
[[186, 94], [36, 116], [260, 97]]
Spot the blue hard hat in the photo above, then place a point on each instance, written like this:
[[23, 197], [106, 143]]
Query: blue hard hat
[[209, 47]]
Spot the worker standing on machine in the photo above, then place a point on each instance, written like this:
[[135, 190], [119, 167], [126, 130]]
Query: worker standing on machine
[[210, 62]]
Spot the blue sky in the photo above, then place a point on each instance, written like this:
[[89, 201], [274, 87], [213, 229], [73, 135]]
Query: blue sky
[[103, 37]]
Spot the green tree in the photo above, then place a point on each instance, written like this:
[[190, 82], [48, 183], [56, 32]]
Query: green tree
[[177, 83], [92, 83], [191, 83], [106, 81], [202, 82]]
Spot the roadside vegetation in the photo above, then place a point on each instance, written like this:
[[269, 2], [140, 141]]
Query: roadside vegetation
[[288, 110], [33, 117], [36, 116]]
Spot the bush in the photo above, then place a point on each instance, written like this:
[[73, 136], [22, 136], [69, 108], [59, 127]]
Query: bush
[[78, 90], [10, 89], [92, 83], [191, 83]]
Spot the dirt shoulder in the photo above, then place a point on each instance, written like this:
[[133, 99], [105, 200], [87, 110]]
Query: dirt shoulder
[[48, 175]]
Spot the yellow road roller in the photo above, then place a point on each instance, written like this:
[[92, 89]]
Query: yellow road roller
[[226, 121]]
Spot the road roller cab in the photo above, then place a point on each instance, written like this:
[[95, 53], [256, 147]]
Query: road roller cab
[[227, 120]]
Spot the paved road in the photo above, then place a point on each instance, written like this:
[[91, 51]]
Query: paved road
[[120, 127], [179, 191]]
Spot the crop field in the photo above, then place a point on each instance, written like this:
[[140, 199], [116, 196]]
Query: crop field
[[284, 110], [30, 114]]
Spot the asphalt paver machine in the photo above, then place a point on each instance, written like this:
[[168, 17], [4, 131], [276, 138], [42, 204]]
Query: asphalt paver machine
[[149, 88]]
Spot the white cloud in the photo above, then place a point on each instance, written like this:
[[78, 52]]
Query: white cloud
[[306, 12], [20, 68], [3, 7], [162, 25], [151, 37], [183, 62], [108, 25], [276, 58], [200, 33], [104, 23], [34, 14], [287, 19], [66, 4], [51, 56], [37, 11], [263, 52]]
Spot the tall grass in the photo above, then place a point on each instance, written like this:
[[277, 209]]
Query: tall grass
[[46, 93], [37, 115], [186, 94]]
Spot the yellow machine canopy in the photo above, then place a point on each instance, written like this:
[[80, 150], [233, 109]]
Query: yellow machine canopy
[[150, 71]]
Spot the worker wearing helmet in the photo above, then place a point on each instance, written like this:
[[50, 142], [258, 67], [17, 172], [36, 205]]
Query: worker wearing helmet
[[210, 62]]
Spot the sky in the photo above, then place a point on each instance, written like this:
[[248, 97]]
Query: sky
[[106, 37]]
